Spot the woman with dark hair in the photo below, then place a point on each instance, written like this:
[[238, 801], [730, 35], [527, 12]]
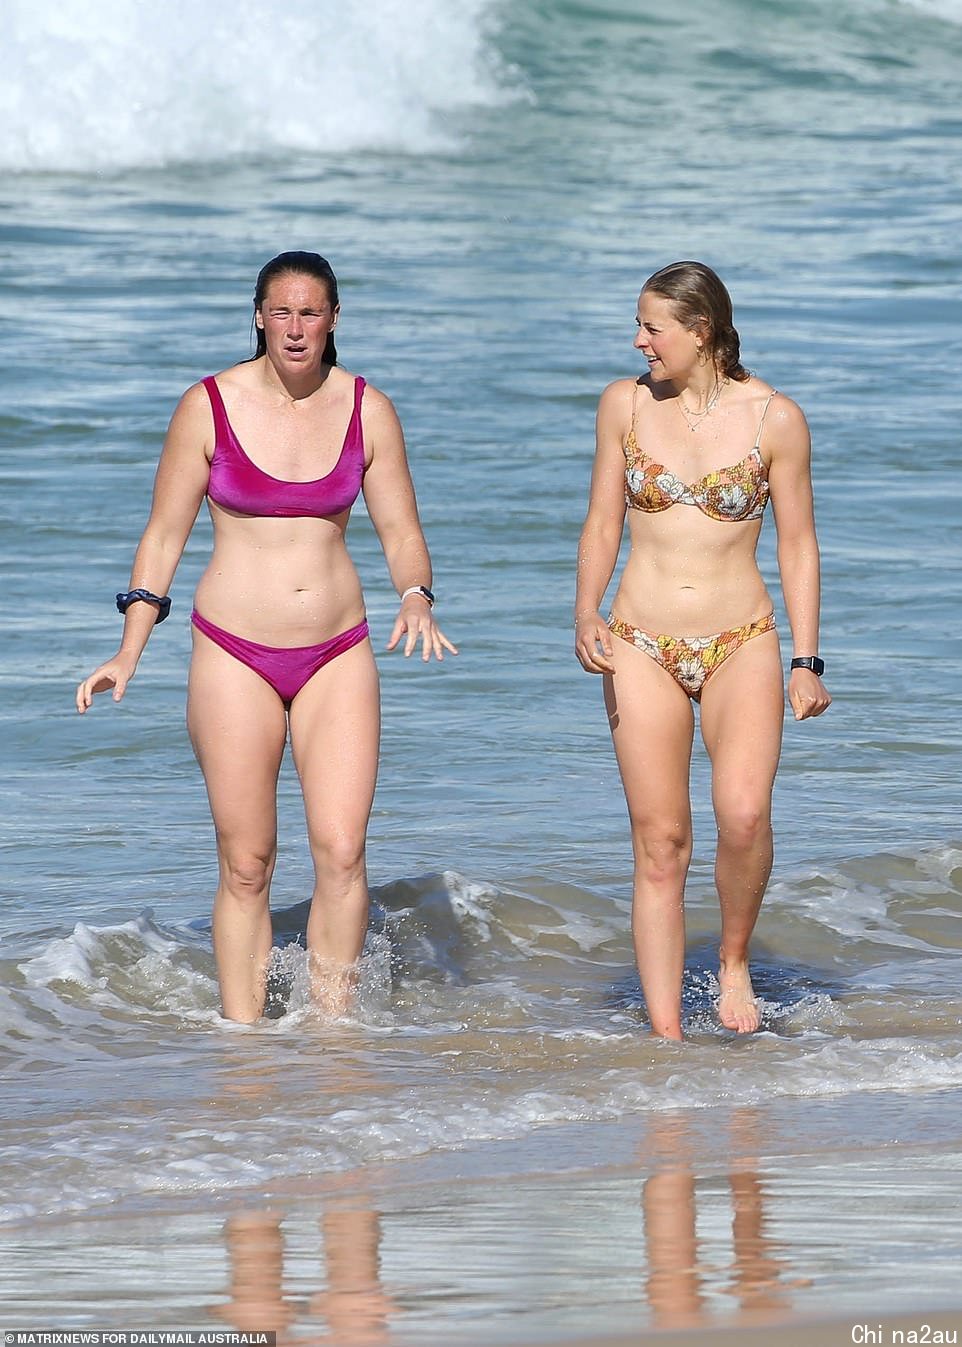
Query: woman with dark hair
[[281, 445], [692, 620]]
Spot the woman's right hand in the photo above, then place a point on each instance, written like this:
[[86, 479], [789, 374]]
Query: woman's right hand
[[592, 631], [116, 674]]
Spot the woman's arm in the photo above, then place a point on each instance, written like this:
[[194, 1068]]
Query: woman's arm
[[391, 503], [790, 480], [604, 524], [179, 486]]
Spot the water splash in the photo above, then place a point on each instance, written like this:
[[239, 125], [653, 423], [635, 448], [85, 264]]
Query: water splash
[[110, 84]]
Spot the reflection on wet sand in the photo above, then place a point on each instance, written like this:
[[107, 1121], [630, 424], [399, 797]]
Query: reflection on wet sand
[[676, 1275], [255, 1256], [353, 1306], [673, 1284]]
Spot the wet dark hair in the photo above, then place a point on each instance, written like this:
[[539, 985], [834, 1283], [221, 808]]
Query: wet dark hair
[[294, 264], [704, 305]]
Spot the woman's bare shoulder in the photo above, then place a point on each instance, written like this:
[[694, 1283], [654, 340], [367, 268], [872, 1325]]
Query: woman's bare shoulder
[[783, 417], [784, 431], [194, 405], [379, 419], [377, 409], [242, 372], [374, 397], [620, 396], [623, 390], [766, 394]]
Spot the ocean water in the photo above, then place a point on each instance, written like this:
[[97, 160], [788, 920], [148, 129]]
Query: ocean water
[[492, 182]]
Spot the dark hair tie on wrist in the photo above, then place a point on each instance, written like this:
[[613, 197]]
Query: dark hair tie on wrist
[[144, 596]]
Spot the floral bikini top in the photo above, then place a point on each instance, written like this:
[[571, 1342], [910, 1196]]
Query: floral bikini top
[[731, 495]]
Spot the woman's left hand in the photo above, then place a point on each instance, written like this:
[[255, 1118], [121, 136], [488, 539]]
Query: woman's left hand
[[807, 694], [416, 622]]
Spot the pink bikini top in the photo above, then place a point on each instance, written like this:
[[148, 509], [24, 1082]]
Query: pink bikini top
[[238, 484], [730, 495]]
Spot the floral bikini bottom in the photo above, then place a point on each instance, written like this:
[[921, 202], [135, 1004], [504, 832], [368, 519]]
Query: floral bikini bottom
[[691, 660]]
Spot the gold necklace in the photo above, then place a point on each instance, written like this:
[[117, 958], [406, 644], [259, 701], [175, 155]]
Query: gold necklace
[[694, 419]]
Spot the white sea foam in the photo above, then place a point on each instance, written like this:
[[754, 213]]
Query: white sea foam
[[110, 84], [133, 967]]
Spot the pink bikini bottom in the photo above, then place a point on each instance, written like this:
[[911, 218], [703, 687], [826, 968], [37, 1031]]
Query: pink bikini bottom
[[286, 668]]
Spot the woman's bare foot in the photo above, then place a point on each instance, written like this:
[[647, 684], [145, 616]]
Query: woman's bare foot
[[737, 1007]]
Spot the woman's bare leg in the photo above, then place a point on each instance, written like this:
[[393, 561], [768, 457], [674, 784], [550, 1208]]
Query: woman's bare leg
[[238, 728], [742, 709], [335, 733], [652, 725]]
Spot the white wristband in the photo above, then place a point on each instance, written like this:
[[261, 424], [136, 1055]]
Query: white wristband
[[424, 592]]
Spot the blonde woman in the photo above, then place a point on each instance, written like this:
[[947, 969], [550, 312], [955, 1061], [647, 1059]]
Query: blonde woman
[[692, 452]]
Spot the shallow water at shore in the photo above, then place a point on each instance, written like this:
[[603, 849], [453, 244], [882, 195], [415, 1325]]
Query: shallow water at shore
[[484, 1014]]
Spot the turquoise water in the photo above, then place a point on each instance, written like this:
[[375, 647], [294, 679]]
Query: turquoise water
[[491, 203]]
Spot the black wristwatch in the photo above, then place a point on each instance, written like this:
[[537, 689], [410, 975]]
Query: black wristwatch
[[812, 662]]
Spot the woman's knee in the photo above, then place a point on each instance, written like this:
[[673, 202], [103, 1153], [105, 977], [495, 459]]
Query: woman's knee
[[662, 850], [339, 856], [743, 823], [246, 872]]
